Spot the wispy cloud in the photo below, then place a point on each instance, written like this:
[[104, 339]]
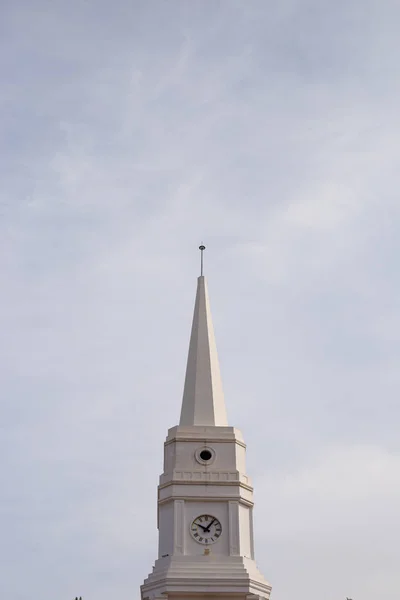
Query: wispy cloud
[[131, 133]]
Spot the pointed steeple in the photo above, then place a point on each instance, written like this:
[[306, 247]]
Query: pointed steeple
[[203, 398]]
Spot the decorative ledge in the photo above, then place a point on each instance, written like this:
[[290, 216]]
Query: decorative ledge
[[201, 475]]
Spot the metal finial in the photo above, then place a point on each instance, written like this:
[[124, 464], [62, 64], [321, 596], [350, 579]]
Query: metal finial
[[201, 248]]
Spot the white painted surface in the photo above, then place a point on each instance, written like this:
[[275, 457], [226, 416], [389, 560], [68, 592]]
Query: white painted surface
[[244, 531], [189, 488], [203, 398], [166, 529]]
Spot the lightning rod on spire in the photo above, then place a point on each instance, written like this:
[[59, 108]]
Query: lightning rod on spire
[[201, 248]]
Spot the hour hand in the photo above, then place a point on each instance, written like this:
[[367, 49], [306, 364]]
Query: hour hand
[[203, 528]]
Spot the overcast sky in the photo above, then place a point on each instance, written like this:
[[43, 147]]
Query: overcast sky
[[131, 131]]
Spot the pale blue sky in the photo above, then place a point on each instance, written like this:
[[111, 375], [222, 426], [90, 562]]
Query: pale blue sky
[[131, 132]]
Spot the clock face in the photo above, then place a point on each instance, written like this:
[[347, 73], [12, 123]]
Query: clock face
[[206, 529]]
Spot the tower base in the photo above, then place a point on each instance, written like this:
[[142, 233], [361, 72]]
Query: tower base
[[216, 578]]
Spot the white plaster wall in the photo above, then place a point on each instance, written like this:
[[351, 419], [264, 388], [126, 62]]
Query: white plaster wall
[[169, 457], [240, 458], [207, 490], [166, 529], [245, 531], [181, 455]]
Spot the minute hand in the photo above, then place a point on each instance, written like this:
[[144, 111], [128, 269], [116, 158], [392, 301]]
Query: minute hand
[[208, 528]]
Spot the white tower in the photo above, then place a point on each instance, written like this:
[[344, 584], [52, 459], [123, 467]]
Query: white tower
[[205, 498]]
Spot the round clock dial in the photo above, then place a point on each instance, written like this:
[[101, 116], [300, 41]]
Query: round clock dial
[[206, 529]]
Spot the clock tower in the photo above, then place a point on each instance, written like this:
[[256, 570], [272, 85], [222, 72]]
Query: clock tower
[[205, 497]]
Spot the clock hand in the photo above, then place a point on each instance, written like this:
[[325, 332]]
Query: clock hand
[[203, 528], [208, 528]]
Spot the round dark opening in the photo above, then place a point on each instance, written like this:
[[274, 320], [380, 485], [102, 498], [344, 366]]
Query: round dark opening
[[205, 455]]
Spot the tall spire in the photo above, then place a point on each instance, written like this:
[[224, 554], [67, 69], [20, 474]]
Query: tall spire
[[203, 398]]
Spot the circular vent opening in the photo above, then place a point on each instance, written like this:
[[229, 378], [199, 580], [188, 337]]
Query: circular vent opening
[[205, 455]]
